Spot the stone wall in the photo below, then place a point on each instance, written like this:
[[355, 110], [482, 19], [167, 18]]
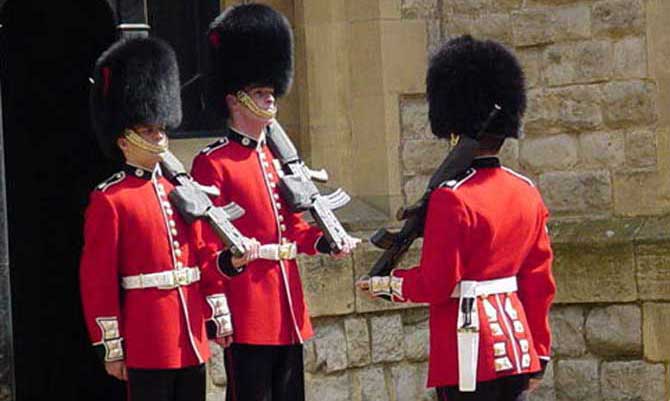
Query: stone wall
[[597, 144]]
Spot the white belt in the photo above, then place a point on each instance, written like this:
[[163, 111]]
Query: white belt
[[467, 326], [278, 251], [164, 280], [489, 287]]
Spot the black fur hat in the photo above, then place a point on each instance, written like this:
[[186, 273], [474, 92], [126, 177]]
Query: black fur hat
[[136, 81], [466, 77], [249, 44]]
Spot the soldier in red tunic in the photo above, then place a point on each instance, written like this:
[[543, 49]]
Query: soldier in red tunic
[[485, 267], [146, 289], [252, 64]]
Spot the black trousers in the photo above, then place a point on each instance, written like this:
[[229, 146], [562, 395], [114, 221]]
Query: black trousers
[[264, 373], [186, 384], [510, 388]]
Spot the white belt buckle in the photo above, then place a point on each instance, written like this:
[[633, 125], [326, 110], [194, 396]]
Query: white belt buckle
[[468, 339], [178, 278]]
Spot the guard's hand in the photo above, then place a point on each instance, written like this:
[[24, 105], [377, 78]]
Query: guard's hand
[[363, 284], [383, 287], [224, 341], [117, 369], [252, 249], [349, 245]]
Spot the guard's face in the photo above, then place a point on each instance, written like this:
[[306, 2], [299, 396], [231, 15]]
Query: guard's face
[[145, 147], [259, 103], [263, 96], [154, 134]]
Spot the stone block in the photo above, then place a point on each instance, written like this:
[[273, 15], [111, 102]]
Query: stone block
[[423, 156], [545, 25], [309, 356], [547, 390], [404, 45], [366, 50], [636, 192], [629, 103], [415, 187], [632, 380], [509, 154], [561, 110], [548, 153], [630, 58], [405, 382], [358, 341], [369, 384], [654, 230], [587, 191], [655, 329], [434, 34], [366, 10], [419, 9], [387, 336], [615, 330], [577, 380], [602, 149], [465, 6], [538, 3], [580, 62], [611, 232], [494, 26], [531, 62], [377, 181], [335, 387], [330, 348], [365, 255], [653, 271], [215, 366], [328, 285], [479, 6], [641, 149], [618, 17], [416, 342], [594, 273], [567, 327], [658, 44], [414, 122]]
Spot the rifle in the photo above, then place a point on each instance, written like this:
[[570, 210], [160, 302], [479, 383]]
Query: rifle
[[192, 201], [298, 189], [396, 244]]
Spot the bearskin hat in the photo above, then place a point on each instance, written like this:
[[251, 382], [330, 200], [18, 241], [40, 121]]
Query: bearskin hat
[[136, 81], [466, 78], [250, 44]]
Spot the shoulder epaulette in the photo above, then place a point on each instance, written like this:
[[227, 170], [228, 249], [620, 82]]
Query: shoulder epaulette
[[520, 176], [456, 182], [114, 179], [214, 146]]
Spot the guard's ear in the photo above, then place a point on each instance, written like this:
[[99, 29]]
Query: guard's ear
[[231, 102], [122, 143]]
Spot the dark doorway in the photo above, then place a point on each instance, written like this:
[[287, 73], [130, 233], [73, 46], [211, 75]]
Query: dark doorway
[[47, 50], [184, 25]]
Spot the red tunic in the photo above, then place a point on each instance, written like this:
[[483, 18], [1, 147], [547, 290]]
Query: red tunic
[[490, 224], [266, 300], [130, 229]]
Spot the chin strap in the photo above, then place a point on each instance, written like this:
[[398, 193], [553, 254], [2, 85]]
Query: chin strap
[[143, 144], [246, 100]]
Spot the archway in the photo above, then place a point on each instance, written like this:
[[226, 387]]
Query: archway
[[47, 50]]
